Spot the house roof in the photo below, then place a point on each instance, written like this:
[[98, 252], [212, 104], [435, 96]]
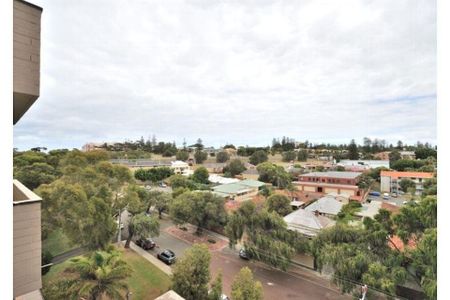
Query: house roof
[[333, 174], [397, 174], [220, 179], [327, 205], [238, 187], [400, 245], [307, 222], [252, 183]]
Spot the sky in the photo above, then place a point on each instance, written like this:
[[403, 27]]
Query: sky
[[238, 72]]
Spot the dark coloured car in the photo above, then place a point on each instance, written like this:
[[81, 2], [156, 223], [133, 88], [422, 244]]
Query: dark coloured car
[[146, 244], [244, 254], [167, 256]]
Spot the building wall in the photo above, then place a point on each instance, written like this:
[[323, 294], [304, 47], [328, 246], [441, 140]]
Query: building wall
[[328, 180], [385, 184], [26, 56], [27, 248]]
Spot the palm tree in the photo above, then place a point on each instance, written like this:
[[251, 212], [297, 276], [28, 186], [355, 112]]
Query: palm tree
[[101, 274]]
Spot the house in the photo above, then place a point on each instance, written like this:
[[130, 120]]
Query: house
[[307, 223], [170, 295], [214, 167], [27, 245], [390, 180], [239, 191], [327, 206], [180, 167], [332, 182]]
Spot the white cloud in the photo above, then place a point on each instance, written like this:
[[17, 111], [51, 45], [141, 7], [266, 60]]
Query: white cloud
[[233, 71]]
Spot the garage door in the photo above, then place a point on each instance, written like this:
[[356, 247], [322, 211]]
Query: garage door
[[330, 190], [348, 192], [309, 188]]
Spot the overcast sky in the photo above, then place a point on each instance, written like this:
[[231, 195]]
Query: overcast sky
[[237, 72]]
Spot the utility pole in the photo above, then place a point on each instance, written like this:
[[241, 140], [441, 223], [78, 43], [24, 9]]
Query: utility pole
[[119, 235]]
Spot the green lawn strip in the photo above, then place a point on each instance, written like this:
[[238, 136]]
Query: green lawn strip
[[146, 281], [57, 243]]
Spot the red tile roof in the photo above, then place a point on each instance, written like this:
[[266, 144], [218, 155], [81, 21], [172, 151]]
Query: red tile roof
[[400, 245], [396, 174]]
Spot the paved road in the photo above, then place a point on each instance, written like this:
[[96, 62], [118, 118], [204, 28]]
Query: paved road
[[276, 284]]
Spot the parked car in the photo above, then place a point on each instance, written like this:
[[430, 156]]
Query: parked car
[[244, 254], [385, 196], [167, 256], [162, 184], [376, 194], [146, 244]]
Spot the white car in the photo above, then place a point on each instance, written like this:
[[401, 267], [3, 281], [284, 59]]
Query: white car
[[385, 196]]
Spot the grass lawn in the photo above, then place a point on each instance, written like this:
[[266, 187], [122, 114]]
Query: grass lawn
[[57, 243], [146, 282]]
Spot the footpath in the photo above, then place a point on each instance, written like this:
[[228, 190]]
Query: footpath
[[162, 266]]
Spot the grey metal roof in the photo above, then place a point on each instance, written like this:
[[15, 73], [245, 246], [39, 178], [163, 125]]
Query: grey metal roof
[[307, 222], [327, 205], [334, 174]]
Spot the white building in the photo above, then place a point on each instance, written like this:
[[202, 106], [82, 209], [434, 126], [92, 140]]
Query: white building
[[390, 180], [180, 167]]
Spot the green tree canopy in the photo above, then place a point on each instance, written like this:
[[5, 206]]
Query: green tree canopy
[[222, 157], [102, 274], [258, 157], [201, 175], [234, 167], [245, 287], [288, 156], [191, 273], [353, 150], [302, 155], [279, 204], [143, 226], [200, 208], [182, 155], [200, 156]]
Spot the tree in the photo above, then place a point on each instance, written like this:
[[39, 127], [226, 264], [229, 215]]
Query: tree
[[35, 174], [180, 181], [424, 153], [394, 156], [265, 235], [222, 157], [280, 204], [200, 208], [365, 182], [302, 155], [274, 174], [258, 157], [234, 167], [244, 287], [191, 273], [143, 226], [160, 200], [102, 274], [405, 184], [85, 218], [182, 155], [288, 156], [216, 288], [353, 150], [200, 156], [201, 175]]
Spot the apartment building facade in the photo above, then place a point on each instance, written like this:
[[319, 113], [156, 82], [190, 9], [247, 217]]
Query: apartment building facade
[[390, 180], [345, 183], [26, 205]]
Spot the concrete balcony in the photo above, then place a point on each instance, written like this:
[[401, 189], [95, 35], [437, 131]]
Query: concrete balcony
[[26, 242]]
